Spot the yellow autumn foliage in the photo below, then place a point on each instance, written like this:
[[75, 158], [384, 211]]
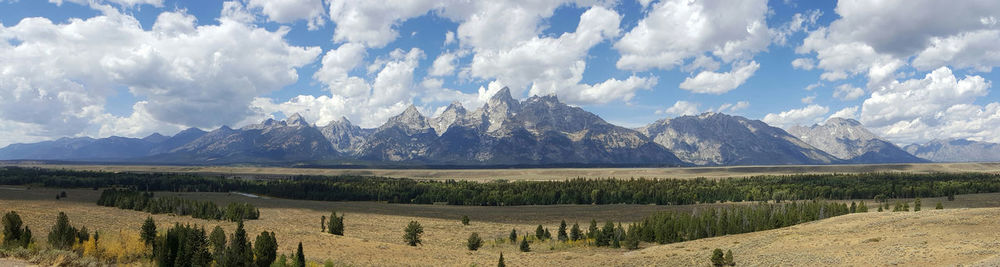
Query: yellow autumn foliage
[[125, 247]]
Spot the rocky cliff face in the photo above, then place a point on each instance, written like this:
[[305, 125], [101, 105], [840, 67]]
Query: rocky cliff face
[[346, 138], [293, 139], [847, 139], [719, 139], [956, 150]]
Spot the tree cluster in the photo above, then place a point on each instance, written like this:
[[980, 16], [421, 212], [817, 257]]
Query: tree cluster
[[14, 235], [336, 224], [144, 201]]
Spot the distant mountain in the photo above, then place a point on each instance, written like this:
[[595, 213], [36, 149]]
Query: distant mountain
[[847, 139], [956, 150], [82, 148], [720, 139], [346, 138], [289, 140]]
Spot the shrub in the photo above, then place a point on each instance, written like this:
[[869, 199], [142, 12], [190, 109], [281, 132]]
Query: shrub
[[474, 242], [729, 258], [540, 232], [525, 247], [513, 236], [718, 259], [939, 206], [465, 220]]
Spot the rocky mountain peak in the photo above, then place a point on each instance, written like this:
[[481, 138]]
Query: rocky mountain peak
[[411, 120], [452, 114], [296, 120], [849, 140], [843, 122]]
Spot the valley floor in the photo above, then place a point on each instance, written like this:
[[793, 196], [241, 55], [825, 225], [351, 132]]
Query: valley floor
[[956, 235], [539, 174]]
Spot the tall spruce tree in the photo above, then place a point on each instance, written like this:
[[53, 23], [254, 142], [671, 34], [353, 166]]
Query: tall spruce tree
[[217, 240], [239, 252], [322, 224], [336, 224], [575, 233], [13, 234], [512, 236], [300, 258], [592, 231], [525, 247], [562, 231], [540, 232], [148, 231], [63, 235], [501, 263], [265, 249]]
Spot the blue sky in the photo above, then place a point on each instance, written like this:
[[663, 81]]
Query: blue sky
[[911, 71]]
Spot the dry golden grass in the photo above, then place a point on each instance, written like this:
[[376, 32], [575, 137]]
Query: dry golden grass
[[930, 237], [550, 173]]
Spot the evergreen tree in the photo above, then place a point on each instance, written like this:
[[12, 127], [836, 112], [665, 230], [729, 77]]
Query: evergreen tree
[[412, 233], [632, 237], [854, 207], [239, 252], [862, 207], [336, 224], [729, 258], [197, 247], [63, 235], [148, 233], [465, 220], [548, 235], [26, 237], [474, 242], [500, 263], [616, 239], [939, 206], [512, 236], [300, 258], [562, 231], [524, 245], [603, 236], [12, 232], [281, 262], [592, 231], [217, 241], [906, 206], [916, 205], [322, 224], [540, 232], [718, 260], [575, 233], [265, 249], [880, 208]]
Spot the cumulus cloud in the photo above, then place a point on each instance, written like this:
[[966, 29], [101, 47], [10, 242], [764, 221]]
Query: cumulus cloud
[[808, 115], [803, 63], [800, 22], [731, 107], [58, 76], [444, 65], [288, 11], [675, 30], [710, 82], [846, 113], [846, 92], [681, 108]]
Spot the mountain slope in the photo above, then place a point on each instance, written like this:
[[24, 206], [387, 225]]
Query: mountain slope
[[847, 139], [293, 139], [956, 150], [719, 139]]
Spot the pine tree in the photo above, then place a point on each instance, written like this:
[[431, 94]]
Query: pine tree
[[862, 207], [300, 258], [474, 242], [412, 233], [239, 252], [616, 239], [265, 249], [524, 245], [217, 241], [196, 245], [26, 237], [939, 206], [916, 205], [513, 236], [854, 207], [465, 220], [632, 237], [729, 258], [12, 232], [879, 208], [718, 259], [540, 232], [603, 236], [500, 263], [562, 231], [548, 235], [336, 224], [63, 235], [575, 233], [322, 224], [148, 231]]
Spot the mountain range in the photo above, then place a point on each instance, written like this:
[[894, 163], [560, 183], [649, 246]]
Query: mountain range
[[956, 150], [538, 131]]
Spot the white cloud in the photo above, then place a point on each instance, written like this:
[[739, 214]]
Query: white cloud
[[846, 113], [289, 11], [709, 82], [336, 65], [373, 23], [808, 115], [921, 98], [123, 3], [675, 30], [731, 107], [444, 65], [846, 92], [58, 76], [808, 99], [449, 38], [803, 63], [800, 22], [681, 108], [976, 50]]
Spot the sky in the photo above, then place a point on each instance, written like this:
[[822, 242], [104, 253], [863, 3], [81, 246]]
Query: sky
[[910, 71]]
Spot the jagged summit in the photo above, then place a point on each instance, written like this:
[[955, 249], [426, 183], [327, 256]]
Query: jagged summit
[[296, 120], [848, 139]]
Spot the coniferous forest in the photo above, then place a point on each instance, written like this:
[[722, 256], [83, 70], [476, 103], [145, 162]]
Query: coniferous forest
[[144, 201], [501, 192]]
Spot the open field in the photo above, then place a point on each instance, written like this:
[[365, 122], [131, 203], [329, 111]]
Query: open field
[[957, 235], [546, 173]]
